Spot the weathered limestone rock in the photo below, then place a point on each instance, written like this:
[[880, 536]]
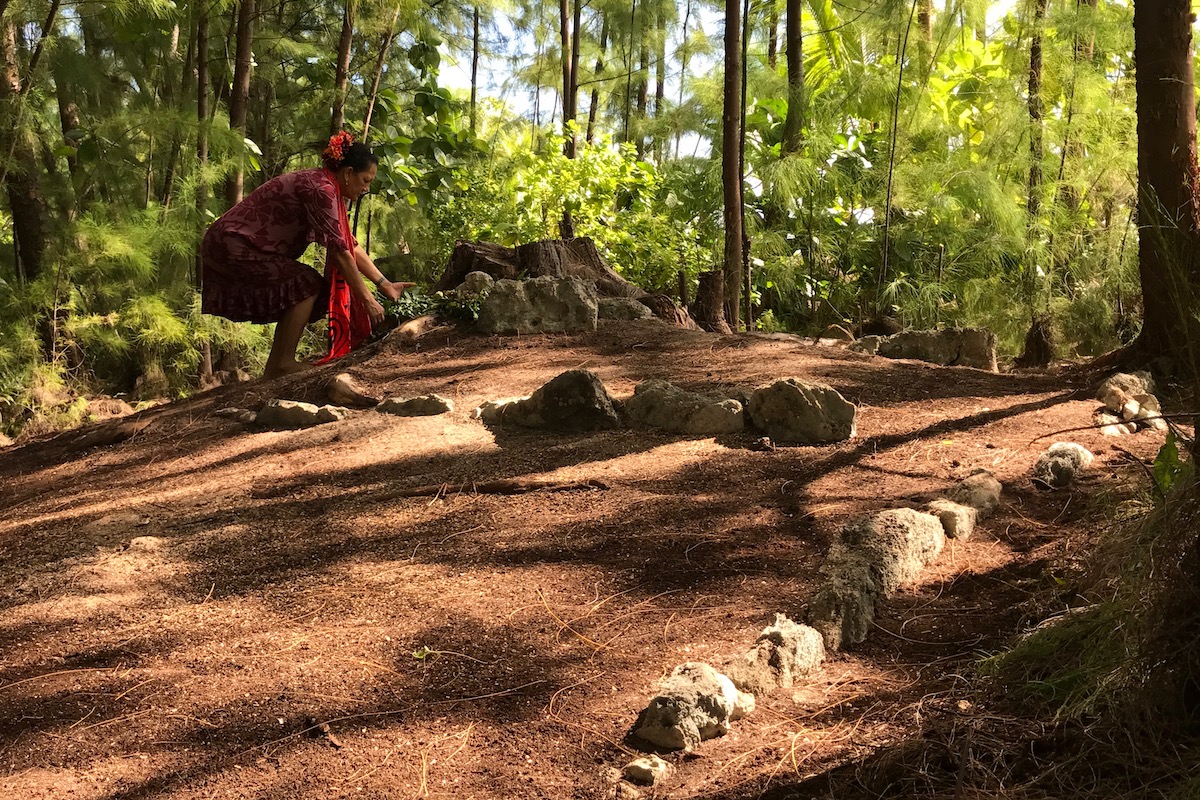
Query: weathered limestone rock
[[1149, 412], [425, 406], [843, 609], [793, 412], [332, 414], [867, 344], [659, 404], [1141, 382], [286, 414], [897, 543], [540, 305], [958, 521], [475, 283], [625, 308], [1110, 424], [574, 401], [1058, 466], [964, 347], [783, 652], [492, 412], [243, 415], [980, 490], [343, 390], [102, 408], [646, 771], [695, 703]]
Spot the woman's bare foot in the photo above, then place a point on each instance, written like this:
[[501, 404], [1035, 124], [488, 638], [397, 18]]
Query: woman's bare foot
[[287, 368]]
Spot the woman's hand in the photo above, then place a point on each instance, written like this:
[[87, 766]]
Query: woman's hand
[[374, 309], [393, 289]]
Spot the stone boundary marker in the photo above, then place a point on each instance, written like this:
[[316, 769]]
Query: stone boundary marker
[[789, 411], [1129, 404], [873, 557]]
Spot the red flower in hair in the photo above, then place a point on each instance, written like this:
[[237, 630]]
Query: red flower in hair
[[336, 149]]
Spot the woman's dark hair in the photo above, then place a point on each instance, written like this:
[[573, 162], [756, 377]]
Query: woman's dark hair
[[357, 156]]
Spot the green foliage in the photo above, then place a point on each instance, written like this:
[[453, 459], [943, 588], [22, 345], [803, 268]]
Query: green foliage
[[1071, 665], [445, 305], [1170, 470]]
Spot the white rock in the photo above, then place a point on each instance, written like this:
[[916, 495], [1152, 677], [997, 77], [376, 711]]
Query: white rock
[[425, 406], [1150, 412], [791, 411], [695, 703], [647, 770], [332, 414], [958, 520], [980, 490], [285, 414]]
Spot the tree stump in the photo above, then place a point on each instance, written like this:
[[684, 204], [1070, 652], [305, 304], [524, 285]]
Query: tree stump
[[555, 258], [709, 308], [1039, 343]]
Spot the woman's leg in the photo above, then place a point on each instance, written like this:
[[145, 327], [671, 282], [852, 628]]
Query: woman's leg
[[282, 360]]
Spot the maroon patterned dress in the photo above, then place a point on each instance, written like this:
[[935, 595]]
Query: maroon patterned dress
[[250, 271]]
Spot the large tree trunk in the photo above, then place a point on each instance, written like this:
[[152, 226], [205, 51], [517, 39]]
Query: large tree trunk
[[239, 98], [731, 160], [342, 78], [709, 309], [793, 124], [1168, 208], [21, 175]]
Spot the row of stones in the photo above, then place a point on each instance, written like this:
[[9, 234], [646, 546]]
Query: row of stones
[[788, 411], [873, 557], [279, 414]]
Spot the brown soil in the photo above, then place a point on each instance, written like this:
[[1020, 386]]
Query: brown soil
[[496, 646]]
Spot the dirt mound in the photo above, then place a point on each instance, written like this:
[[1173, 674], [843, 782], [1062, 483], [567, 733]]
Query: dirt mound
[[200, 608]]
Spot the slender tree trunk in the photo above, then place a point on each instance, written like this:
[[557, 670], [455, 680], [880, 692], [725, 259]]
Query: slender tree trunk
[[746, 278], [185, 80], [793, 124], [384, 47], [629, 69], [643, 98], [1168, 184], [773, 35], [68, 120], [201, 122], [925, 26], [474, 66], [684, 53], [1036, 126], [594, 107], [239, 99], [566, 226], [731, 178], [660, 88], [342, 78]]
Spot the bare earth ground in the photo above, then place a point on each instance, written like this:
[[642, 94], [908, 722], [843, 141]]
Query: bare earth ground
[[489, 646]]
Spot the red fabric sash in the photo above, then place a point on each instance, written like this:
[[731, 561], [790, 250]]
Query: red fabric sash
[[349, 324]]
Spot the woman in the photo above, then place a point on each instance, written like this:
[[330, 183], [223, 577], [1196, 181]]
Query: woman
[[251, 272]]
